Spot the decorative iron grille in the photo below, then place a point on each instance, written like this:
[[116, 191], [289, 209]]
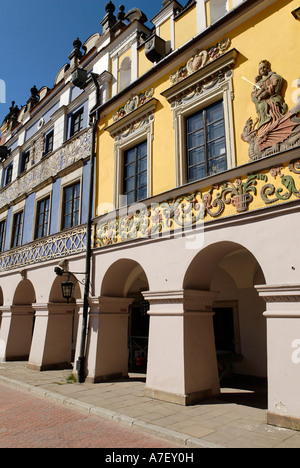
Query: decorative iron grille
[[59, 245]]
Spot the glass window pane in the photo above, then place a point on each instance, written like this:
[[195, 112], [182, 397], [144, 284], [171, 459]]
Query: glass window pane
[[77, 190], [130, 156], [142, 150], [135, 173], [196, 139], [196, 172], [217, 165], [215, 112], [129, 185], [216, 130], [129, 171], [142, 193], [130, 198], [68, 207], [217, 148], [67, 221], [142, 165], [195, 122], [196, 156], [142, 179]]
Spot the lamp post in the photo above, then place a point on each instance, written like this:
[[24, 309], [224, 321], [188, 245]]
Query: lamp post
[[81, 80]]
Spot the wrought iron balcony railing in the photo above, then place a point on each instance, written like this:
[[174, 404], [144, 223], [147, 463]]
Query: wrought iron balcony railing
[[65, 243]]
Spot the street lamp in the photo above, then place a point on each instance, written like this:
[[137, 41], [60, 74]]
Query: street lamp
[[67, 289]]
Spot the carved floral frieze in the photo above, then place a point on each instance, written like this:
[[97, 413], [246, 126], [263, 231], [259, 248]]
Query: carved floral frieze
[[249, 192], [200, 59], [78, 148]]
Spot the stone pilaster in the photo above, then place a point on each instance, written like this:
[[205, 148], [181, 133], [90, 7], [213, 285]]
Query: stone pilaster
[[107, 347], [16, 332], [283, 343], [182, 361], [52, 338]]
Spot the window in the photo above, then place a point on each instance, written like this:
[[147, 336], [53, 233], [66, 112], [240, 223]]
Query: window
[[71, 201], [218, 8], [42, 218], [49, 142], [135, 173], [24, 162], [17, 229], [2, 234], [125, 73], [204, 119], [8, 174], [77, 122], [206, 146]]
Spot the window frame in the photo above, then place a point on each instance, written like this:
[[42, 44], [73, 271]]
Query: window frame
[[48, 137], [2, 234], [183, 108], [8, 174], [63, 206], [135, 149], [206, 141], [37, 217], [77, 114], [17, 228], [25, 158]]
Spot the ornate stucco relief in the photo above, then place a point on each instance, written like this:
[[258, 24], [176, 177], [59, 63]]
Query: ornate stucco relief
[[275, 129], [133, 103], [200, 59], [248, 192]]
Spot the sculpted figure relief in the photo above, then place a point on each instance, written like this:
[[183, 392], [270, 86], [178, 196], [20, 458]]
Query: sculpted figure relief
[[275, 129], [266, 95]]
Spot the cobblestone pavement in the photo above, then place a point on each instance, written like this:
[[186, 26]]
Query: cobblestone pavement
[[237, 419], [30, 421]]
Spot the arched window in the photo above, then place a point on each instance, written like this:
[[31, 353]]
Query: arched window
[[125, 73]]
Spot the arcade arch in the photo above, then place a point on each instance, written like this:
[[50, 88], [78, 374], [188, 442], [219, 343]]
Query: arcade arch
[[231, 271], [17, 323], [126, 278]]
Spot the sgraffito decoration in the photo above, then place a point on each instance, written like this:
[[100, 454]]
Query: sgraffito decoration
[[246, 193], [275, 129]]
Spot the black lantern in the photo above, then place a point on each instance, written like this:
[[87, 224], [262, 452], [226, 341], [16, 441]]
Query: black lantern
[[67, 288]]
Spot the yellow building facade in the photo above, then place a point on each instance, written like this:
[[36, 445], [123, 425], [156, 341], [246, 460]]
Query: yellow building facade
[[203, 235]]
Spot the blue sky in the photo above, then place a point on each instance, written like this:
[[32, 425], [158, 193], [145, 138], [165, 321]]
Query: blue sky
[[37, 38]]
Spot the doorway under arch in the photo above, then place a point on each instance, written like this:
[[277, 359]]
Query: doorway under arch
[[126, 278], [19, 337], [232, 271]]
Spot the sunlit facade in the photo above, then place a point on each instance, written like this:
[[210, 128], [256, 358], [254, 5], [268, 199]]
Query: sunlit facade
[[193, 126]]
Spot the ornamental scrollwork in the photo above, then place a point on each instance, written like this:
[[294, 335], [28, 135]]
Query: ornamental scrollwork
[[200, 59], [133, 103], [288, 182], [252, 191]]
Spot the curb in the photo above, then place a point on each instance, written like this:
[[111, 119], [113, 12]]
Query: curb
[[173, 436]]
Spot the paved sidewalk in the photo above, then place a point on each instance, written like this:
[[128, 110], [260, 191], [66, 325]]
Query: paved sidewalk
[[227, 422]]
